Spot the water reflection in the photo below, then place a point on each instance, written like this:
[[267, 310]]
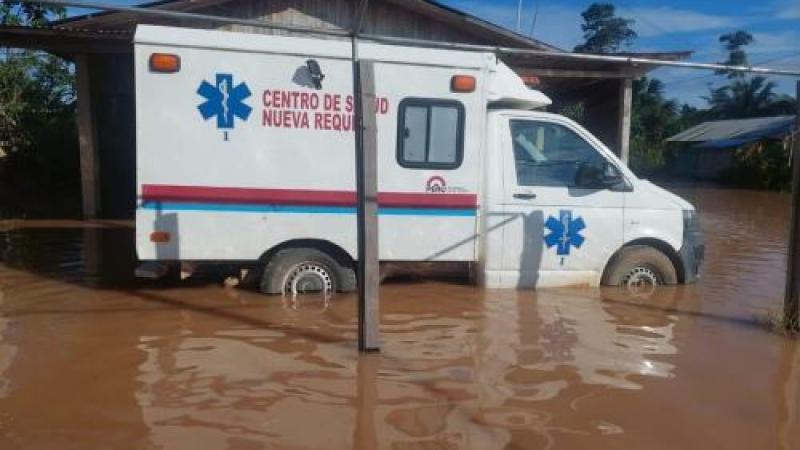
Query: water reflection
[[787, 397], [474, 371]]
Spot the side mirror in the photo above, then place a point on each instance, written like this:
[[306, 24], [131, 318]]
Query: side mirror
[[611, 175], [597, 176]]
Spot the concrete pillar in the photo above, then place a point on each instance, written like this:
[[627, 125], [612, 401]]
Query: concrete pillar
[[367, 187], [87, 139], [624, 119]]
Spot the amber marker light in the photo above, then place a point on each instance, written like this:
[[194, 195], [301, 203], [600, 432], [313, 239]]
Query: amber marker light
[[165, 63], [160, 237], [462, 83]]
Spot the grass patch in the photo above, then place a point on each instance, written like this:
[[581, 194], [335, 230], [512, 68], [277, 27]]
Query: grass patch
[[778, 323]]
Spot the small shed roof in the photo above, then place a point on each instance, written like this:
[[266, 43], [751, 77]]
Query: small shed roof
[[736, 132]]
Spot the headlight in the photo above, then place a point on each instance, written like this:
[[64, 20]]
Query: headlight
[[690, 220]]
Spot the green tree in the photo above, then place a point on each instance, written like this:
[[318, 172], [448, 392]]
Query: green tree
[[603, 31], [689, 116], [14, 12], [37, 123], [744, 96], [654, 118], [734, 44], [34, 88], [32, 84], [763, 165], [748, 97]]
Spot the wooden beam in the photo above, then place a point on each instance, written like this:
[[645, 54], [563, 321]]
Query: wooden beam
[[569, 73], [791, 302], [367, 187], [87, 140], [625, 109], [61, 41]]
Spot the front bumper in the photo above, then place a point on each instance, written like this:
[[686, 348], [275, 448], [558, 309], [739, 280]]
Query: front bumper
[[692, 253]]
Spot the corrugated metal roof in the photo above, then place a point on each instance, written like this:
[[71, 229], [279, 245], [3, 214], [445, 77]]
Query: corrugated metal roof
[[736, 132]]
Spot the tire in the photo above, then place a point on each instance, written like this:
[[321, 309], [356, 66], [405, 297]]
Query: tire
[[639, 264], [305, 270]]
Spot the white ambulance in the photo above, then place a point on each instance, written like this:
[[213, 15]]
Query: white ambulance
[[245, 155]]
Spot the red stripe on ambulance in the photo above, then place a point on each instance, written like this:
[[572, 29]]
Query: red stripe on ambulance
[[201, 194]]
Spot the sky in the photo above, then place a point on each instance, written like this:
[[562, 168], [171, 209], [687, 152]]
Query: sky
[[668, 26], [664, 26]]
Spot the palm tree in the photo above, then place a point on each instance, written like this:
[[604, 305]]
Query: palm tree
[[754, 97], [652, 113], [653, 119], [733, 43]]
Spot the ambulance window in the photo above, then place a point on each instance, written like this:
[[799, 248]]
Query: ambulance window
[[549, 154], [414, 144], [430, 134]]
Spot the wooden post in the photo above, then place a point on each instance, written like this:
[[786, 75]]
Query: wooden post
[[90, 177], [367, 192], [367, 188], [624, 120], [791, 306]]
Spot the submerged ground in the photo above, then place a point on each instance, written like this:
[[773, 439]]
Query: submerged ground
[[91, 359]]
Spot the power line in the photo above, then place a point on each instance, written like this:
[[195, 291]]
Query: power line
[[535, 17], [765, 61]]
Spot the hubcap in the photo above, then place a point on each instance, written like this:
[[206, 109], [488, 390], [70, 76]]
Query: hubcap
[[641, 280], [308, 278]]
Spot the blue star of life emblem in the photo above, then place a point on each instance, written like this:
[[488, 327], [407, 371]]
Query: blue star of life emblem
[[225, 101], [564, 232]]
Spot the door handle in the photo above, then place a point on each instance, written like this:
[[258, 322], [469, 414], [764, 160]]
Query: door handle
[[525, 195]]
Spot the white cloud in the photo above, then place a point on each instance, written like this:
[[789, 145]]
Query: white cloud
[[666, 20], [792, 13], [788, 11], [778, 42]]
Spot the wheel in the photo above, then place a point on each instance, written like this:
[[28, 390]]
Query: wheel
[[640, 268], [293, 271]]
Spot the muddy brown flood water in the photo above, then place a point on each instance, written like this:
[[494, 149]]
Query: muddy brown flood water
[[90, 359]]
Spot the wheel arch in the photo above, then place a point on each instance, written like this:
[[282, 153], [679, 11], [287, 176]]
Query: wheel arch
[[335, 251], [657, 244]]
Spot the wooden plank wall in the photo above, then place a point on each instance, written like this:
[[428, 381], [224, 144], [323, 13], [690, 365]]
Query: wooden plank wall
[[382, 18]]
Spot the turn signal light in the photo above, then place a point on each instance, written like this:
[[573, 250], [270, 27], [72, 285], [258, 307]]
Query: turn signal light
[[462, 83], [165, 63], [160, 237]]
